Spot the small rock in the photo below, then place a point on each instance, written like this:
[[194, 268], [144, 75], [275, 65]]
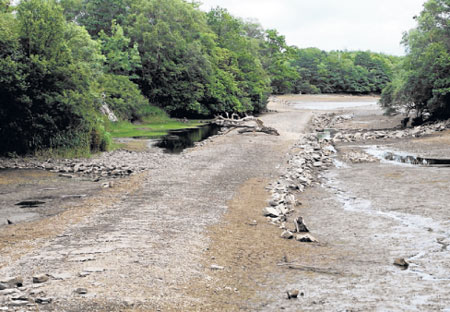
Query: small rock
[[12, 282], [291, 294], [216, 267], [42, 278], [3, 286], [81, 291], [305, 238], [43, 300], [60, 276], [20, 298], [253, 223], [287, 234], [274, 203], [300, 225], [401, 262], [271, 212]]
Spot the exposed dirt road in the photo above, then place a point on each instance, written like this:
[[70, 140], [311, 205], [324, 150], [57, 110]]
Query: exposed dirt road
[[143, 248], [189, 235]]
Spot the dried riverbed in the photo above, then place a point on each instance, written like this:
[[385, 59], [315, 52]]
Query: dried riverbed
[[187, 232]]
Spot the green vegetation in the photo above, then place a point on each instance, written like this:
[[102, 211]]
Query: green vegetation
[[151, 127], [61, 60], [343, 71], [422, 80]]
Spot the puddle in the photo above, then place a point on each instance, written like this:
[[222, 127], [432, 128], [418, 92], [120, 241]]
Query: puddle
[[176, 141], [30, 203], [404, 158]]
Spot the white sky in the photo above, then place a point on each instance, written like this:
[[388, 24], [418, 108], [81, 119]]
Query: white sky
[[375, 25]]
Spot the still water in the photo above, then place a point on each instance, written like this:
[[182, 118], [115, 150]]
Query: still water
[[177, 140]]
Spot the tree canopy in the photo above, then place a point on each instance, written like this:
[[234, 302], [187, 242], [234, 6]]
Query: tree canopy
[[422, 81], [62, 59]]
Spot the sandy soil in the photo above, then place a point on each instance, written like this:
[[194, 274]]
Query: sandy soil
[[189, 235]]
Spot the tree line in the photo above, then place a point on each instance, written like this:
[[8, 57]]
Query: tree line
[[61, 59]]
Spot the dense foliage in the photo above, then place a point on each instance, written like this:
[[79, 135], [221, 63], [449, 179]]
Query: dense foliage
[[422, 81], [47, 69], [61, 59], [343, 71]]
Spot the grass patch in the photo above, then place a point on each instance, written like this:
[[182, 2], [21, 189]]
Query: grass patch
[[151, 127]]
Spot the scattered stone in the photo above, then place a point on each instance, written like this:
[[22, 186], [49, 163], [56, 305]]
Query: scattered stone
[[305, 238], [292, 294], [81, 291], [42, 278], [287, 234], [300, 225], [274, 203], [3, 286], [271, 212], [60, 276], [43, 300], [216, 267], [8, 292], [401, 262], [20, 298], [12, 282], [253, 223], [364, 135]]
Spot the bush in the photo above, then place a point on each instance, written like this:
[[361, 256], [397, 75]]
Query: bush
[[124, 97]]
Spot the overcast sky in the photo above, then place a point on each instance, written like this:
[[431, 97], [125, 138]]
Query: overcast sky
[[375, 25]]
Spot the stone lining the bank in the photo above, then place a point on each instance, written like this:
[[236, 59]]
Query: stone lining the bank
[[308, 157], [108, 165], [368, 135], [313, 153]]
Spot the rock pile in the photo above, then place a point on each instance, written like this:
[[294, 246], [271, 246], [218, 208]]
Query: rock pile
[[14, 292], [357, 157], [113, 164], [367, 135], [309, 156]]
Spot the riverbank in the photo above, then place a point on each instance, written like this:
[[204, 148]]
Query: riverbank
[[190, 234]]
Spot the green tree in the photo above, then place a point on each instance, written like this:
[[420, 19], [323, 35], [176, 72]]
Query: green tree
[[49, 99], [277, 60], [424, 84], [174, 68], [120, 58], [242, 61], [98, 15]]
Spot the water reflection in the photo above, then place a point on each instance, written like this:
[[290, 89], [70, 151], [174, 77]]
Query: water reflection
[[176, 141]]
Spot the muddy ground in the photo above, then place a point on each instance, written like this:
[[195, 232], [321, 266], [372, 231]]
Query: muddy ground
[[189, 235]]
